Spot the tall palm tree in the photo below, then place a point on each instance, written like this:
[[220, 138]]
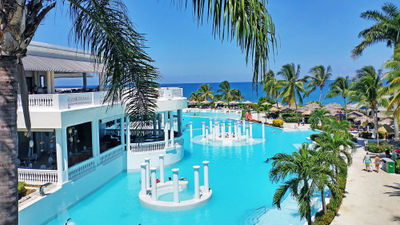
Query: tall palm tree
[[341, 86], [320, 75], [292, 85], [194, 96], [368, 90], [386, 28], [225, 91], [338, 144], [205, 91], [316, 117], [105, 29], [306, 175], [271, 86], [236, 95]]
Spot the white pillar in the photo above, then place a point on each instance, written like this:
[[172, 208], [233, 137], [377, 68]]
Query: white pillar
[[251, 131], [64, 152], [191, 129], [175, 187], [153, 184], [165, 117], [230, 130], [161, 160], [166, 136], [147, 161], [239, 132], [263, 130], [143, 176], [59, 156], [218, 129], [122, 121], [203, 128], [247, 135], [211, 126], [95, 141], [196, 182], [244, 126], [206, 185], [223, 130], [171, 127], [206, 133], [128, 133]]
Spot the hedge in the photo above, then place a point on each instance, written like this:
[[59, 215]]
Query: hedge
[[277, 123], [382, 147], [293, 119]]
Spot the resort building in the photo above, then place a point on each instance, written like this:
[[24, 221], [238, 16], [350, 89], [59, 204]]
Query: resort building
[[78, 143]]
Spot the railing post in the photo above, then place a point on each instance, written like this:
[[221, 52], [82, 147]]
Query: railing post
[[59, 157], [206, 184], [161, 159], [196, 182], [175, 178], [147, 161], [153, 184]]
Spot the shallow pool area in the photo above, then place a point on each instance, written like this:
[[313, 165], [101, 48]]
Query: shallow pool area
[[239, 179]]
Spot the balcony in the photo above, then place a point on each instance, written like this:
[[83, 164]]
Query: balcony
[[57, 102]]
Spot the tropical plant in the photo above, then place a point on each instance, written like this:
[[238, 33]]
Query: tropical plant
[[333, 126], [236, 95], [386, 28], [205, 91], [316, 117], [104, 28], [306, 175], [338, 144], [194, 96], [271, 86], [320, 75], [292, 85], [368, 90], [225, 91], [341, 86]]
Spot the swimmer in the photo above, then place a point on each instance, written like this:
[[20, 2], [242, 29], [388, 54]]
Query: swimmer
[[267, 161]]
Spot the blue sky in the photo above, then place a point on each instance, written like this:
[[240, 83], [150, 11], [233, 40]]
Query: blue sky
[[312, 32]]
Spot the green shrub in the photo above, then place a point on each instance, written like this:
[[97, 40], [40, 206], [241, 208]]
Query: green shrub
[[21, 189], [397, 168], [382, 147], [366, 135], [293, 119], [277, 123]]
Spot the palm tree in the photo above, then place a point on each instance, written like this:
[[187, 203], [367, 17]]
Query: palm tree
[[225, 91], [205, 92], [194, 96], [337, 144], [368, 90], [318, 79], [105, 29], [341, 86], [316, 117], [271, 86], [332, 126], [293, 85], [306, 175], [386, 28], [236, 95]]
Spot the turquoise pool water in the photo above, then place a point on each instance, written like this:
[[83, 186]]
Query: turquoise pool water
[[239, 177]]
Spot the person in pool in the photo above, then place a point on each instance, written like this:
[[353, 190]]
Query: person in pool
[[367, 161]]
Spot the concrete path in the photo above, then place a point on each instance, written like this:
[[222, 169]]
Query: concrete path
[[371, 198]]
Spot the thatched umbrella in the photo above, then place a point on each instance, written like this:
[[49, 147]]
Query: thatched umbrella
[[354, 115], [192, 102], [307, 113], [351, 107], [219, 102], [206, 102], [387, 121], [249, 102], [266, 103], [312, 106], [273, 109], [363, 119], [233, 103]]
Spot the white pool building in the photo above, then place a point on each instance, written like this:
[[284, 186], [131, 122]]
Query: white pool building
[[78, 142]]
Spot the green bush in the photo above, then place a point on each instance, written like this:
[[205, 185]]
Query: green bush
[[21, 189], [366, 135], [382, 147], [397, 168], [293, 119], [277, 123]]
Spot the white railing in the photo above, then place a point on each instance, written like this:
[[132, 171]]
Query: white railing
[[170, 92], [81, 169], [154, 146], [111, 154], [34, 176]]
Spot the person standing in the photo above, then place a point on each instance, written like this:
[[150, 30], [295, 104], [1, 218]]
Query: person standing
[[367, 161], [377, 162]]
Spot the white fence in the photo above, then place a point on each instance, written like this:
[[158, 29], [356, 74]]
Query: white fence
[[111, 154], [154, 146], [34, 176], [81, 169]]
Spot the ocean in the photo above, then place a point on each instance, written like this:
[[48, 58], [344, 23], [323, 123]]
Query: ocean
[[249, 93], [246, 88]]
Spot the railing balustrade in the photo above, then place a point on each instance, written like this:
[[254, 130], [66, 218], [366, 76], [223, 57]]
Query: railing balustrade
[[153, 146], [81, 169], [36, 176], [110, 155]]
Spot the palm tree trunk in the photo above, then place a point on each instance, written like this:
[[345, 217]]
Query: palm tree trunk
[[320, 95], [8, 141], [323, 200], [376, 125], [345, 104], [309, 221]]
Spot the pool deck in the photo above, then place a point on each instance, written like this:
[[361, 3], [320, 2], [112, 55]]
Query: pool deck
[[370, 198]]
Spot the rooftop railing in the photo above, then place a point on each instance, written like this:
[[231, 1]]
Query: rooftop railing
[[76, 100]]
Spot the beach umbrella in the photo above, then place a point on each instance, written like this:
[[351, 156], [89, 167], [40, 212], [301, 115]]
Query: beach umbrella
[[273, 109], [266, 103], [306, 113], [333, 106], [192, 102], [387, 121], [206, 102], [312, 106], [354, 115], [219, 102], [249, 102], [233, 103]]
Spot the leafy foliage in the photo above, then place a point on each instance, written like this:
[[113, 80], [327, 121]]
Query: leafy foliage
[[205, 92], [293, 85], [320, 75], [341, 86], [316, 117], [277, 123]]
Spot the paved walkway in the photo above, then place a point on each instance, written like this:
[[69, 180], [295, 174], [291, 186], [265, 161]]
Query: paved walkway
[[371, 198]]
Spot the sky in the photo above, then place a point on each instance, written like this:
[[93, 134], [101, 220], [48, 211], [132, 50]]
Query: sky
[[311, 32]]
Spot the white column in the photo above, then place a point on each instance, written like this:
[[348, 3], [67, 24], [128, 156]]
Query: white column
[[251, 130], [161, 159], [143, 176], [206, 133], [247, 135], [223, 130], [263, 130], [175, 178], [165, 115], [153, 184], [59, 156], [230, 130], [64, 152], [203, 128], [244, 126], [96, 141], [218, 129], [147, 161], [211, 127], [166, 136], [239, 132], [196, 182], [191, 129], [128, 133], [171, 127], [122, 132], [206, 185]]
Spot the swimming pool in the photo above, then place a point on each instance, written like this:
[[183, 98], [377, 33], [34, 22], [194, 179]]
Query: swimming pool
[[239, 178]]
